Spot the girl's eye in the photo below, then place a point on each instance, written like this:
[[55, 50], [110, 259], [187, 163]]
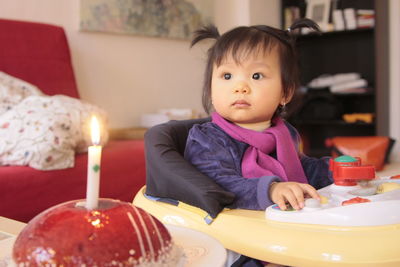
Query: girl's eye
[[257, 76], [227, 76]]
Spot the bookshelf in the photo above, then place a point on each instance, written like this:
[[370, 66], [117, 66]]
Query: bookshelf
[[319, 113]]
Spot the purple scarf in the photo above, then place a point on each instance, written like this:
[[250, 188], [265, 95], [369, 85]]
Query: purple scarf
[[256, 160]]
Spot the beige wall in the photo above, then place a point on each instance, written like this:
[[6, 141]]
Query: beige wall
[[129, 75], [394, 46], [232, 13], [265, 12]]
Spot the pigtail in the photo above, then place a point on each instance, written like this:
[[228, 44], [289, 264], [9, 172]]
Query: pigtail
[[206, 32], [304, 23]]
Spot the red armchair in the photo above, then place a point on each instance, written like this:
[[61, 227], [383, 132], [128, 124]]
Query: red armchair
[[39, 53]]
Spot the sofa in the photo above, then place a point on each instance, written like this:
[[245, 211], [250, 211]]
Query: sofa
[[39, 54]]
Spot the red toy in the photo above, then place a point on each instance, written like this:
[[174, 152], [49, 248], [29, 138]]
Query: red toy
[[348, 170]]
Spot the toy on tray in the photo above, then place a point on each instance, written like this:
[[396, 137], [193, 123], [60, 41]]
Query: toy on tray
[[353, 184]]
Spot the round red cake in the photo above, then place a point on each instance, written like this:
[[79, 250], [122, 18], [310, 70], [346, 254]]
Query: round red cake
[[115, 234]]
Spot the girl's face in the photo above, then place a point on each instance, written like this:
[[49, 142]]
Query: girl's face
[[248, 93]]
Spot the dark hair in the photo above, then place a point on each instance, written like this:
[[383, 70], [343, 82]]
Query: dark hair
[[242, 41]]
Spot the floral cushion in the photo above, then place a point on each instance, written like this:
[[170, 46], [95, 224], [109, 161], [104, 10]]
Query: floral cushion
[[42, 131]]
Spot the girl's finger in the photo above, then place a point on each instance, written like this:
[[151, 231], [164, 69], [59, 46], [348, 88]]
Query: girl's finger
[[299, 195], [281, 203], [291, 198], [310, 190]]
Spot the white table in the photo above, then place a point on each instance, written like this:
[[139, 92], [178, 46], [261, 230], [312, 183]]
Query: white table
[[9, 229], [10, 226], [200, 249]]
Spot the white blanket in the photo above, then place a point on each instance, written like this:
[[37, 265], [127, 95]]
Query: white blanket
[[13, 91], [42, 131]]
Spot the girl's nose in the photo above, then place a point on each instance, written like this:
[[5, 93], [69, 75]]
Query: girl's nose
[[242, 88]]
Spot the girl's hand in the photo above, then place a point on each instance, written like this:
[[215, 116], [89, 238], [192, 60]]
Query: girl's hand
[[291, 192]]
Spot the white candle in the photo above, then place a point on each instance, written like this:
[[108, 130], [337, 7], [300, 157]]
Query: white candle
[[93, 173]]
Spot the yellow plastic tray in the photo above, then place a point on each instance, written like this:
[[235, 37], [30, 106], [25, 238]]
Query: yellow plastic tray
[[248, 232]]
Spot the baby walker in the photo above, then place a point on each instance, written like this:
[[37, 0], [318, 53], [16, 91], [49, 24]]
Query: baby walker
[[356, 223]]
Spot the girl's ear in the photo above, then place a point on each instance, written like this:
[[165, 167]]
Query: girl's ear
[[286, 99]]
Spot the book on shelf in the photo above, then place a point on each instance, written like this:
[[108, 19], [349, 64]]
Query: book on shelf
[[338, 20], [350, 18], [365, 18]]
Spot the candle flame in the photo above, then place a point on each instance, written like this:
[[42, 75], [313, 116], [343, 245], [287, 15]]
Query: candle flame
[[95, 130]]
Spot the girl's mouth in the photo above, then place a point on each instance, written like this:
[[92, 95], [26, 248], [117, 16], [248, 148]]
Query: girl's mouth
[[241, 104]]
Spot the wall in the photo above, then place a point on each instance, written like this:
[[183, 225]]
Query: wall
[[232, 13], [394, 83], [265, 12], [129, 75]]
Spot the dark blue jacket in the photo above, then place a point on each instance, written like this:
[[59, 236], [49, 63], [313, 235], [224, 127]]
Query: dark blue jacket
[[219, 156]]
